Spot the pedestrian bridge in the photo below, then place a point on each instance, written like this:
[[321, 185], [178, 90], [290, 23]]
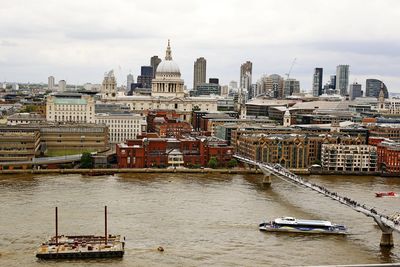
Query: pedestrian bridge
[[386, 223]]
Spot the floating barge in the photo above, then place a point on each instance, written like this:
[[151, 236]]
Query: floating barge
[[82, 246]]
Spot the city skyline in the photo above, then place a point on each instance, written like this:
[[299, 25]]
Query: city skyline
[[70, 42]]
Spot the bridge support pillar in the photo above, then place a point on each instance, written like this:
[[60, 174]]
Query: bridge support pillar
[[266, 180], [387, 240]]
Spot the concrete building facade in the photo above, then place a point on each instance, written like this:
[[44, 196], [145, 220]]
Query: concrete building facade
[[342, 79], [122, 126], [200, 72], [51, 83], [317, 82]]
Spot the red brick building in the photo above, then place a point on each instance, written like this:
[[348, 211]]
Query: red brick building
[[389, 157], [156, 116], [173, 129], [163, 152]]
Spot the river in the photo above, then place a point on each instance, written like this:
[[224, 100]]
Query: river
[[199, 219]]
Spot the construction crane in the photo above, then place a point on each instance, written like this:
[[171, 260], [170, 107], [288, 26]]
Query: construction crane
[[291, 67]]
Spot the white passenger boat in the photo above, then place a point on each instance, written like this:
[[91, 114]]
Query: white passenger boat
[[290, 224]]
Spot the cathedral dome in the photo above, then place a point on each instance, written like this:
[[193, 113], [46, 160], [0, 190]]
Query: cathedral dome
[[168, 67]]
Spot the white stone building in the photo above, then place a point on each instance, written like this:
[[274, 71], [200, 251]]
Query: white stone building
[[350, 158], [122, 126], [70, 108], [109, 86], [168, 92]]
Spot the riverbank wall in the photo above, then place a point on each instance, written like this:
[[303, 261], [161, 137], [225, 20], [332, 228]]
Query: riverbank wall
[[143, 170]]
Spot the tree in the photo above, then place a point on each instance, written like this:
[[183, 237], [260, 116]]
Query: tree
[[213, 163], [317, 162], [86, 160], [232, 163], [29, 109]]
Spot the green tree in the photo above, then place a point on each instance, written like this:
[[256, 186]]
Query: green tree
[[232, 163], [29, 108], [213, 163], [318, 162], [86, 160]]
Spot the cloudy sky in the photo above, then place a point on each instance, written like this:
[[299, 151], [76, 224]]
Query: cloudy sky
[[80, 40]]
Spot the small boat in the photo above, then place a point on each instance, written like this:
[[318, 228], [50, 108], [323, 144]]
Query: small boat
[[386, 194], [293, 225]]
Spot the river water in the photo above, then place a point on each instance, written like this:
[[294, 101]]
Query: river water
[[200, 220]]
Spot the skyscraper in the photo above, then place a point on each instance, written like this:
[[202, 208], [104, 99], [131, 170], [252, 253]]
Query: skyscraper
[[62, 85], [246, 70], [51, 83], [129, 81], [342, 79], [213, 80], [154, 62], [355, 91], [272, 85], [317, 81], [373, 87], [199, 74], [146, 76], [290, 86]]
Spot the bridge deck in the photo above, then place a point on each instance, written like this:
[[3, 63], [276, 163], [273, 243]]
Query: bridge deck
[[281, 172]]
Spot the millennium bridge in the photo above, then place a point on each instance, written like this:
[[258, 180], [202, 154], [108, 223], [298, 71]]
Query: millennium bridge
[[386, 223]]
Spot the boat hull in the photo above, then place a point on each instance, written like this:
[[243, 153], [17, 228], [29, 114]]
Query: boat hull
[[305, 230], [386, 194], [81, 247], [81, 255]]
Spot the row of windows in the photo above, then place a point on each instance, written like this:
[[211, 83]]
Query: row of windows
[[112, 126], [118, 121], [70, 107]]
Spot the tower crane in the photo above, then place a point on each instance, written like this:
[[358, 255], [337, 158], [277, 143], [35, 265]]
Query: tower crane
[[291, 67]]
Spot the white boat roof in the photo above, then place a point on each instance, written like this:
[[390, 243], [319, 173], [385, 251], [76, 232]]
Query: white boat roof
[[294, 221]]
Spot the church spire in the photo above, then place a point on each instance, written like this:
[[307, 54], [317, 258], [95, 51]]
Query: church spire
[[168, 55]]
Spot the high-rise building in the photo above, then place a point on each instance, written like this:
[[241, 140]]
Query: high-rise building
[[146, 76], [271, 85], [355, 91], [62, 85], [129, 81], [373, 88], [317, 82], [213, 80], [207, 89], [224, 90], [200, 70], [332, 83], [342, 79], [290, 86], [233, 85], [246, 71], [154, 62], [51, 83]]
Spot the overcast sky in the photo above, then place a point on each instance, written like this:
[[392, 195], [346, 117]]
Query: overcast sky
[[80, 40]]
